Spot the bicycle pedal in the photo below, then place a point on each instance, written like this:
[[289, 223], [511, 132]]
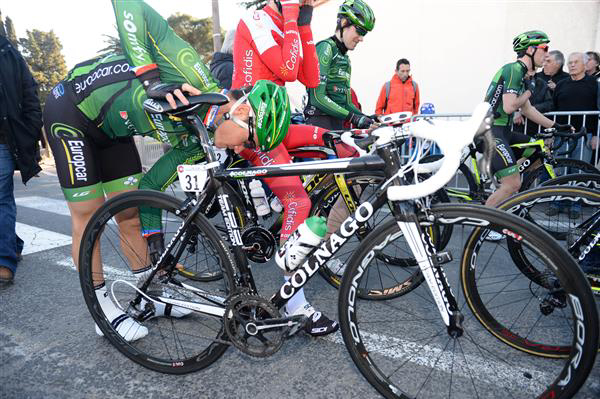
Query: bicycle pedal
[[443, 257], [298, 323]]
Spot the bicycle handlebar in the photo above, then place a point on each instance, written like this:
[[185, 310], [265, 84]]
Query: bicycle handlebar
[[551, 132], [451, 137]]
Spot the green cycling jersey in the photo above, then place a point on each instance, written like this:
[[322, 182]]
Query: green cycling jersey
[[332, 96], [508, 79]]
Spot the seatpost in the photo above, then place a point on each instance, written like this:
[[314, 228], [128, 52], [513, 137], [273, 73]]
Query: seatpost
[[202, 134]]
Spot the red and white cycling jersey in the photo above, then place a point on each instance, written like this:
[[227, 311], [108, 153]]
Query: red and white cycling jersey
[[266, 48]]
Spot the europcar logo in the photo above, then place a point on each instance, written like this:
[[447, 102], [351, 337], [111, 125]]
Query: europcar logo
[[261, 114]]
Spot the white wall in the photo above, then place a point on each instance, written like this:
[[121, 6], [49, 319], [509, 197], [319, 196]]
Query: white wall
[[454, 47]]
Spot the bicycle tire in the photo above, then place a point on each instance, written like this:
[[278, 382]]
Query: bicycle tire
[[173, 345], [404, 269], [403, 348], [563, 166], [579, 180]]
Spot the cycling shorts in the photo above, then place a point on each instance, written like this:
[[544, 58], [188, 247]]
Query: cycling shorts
[[88, 163], [504, 158]]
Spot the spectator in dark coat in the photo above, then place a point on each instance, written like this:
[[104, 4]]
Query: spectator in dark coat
[[579, 93], [20, 131], [553, 69], [221, 66], [541, 99]]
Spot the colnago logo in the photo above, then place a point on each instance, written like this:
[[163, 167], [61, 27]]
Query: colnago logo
[[138, 51], [326, 250], [294, 51], [261, 114], [101, 73], [589, 247], [248, 173], [77, 160], [247, 63]]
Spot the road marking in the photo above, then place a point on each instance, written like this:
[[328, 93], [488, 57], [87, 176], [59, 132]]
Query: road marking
[[58, 207], [37, 239], [109, 272], [506, 375]]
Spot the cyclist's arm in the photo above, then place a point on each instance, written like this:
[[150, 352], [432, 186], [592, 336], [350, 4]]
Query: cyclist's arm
[[534, 115], [318, 95], [350, 105], [511, 102], [132, 27], [283, 61], [308, 75]]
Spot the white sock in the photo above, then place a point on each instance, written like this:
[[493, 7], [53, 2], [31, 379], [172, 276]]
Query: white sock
[[128, 328], [297, 301]]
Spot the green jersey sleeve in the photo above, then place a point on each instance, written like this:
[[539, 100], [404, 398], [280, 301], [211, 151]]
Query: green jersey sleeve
[[318, 96], [513, 76]]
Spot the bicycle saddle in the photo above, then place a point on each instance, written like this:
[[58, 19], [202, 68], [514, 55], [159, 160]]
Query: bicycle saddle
[[154, 106]]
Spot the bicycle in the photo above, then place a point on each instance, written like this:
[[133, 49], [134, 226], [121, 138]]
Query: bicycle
[[231, 312], [531, 170]]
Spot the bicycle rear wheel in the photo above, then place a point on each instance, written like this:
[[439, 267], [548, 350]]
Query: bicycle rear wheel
[[563, 166], [404, 350], [173, 345]]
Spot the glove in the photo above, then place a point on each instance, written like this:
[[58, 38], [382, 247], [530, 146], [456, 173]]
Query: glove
[[156, 247], [305, 15], [360, 121], [562, 128], [530, 85]]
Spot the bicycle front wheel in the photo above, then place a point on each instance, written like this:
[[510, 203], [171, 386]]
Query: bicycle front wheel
[[178, 340], [562, 167], [404, 349]]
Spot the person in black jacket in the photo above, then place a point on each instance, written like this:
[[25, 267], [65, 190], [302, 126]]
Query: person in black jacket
[[541, 99], [221, 66], [553, 69], [20, 130]]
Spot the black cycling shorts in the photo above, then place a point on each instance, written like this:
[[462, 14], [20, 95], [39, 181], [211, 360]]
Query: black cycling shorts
[[504, 158], [88, 162]]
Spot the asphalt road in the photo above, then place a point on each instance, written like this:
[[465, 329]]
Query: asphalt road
[[48, 347]]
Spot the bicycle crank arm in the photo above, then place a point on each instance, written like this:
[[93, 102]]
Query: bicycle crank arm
[[292, 321]]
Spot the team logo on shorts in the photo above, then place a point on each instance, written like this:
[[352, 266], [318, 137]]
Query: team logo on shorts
[[130, 181], [123, 114]]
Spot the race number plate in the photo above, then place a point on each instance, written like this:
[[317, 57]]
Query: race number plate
[[193, 178]]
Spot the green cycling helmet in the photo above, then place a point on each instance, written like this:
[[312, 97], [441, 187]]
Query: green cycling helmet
[[272, 112], [358, 13], [530, 38]]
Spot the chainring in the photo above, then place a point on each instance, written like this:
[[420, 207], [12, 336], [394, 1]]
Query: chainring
[[243, 321], [260, 242]]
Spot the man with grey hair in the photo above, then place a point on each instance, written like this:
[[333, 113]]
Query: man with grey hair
[[552, 72], [221, 66]]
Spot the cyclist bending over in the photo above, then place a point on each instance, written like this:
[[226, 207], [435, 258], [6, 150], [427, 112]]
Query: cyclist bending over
[[510, 92]]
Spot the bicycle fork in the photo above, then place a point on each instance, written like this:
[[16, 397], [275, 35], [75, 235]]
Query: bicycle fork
[[427, 258]]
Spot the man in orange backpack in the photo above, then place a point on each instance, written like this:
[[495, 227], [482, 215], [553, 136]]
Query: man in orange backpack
[[401, 94]]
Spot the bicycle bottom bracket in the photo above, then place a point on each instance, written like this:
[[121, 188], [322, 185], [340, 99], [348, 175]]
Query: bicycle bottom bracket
[[259, 243], [250, 325]]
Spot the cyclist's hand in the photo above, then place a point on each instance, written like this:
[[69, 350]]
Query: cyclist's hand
[[518, 118], [530, 85], [360, 121], [563, 128], [305, 15]]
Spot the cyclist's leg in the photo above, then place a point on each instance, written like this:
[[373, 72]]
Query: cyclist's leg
[[288, 189], [504, 167]]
